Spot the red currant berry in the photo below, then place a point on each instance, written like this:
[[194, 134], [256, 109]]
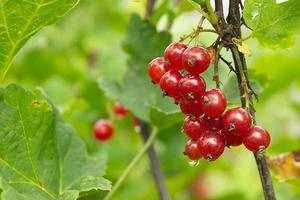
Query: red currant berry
[[232, 139], [103, 129], [237, 121], [211, 145], [156, 69], [190, 107], [191, 150], [191, 87], [213, 123], [257, 140], [213, 103], [120, 110], [169, 83], [173, 55], [195, 60], [193, 127]]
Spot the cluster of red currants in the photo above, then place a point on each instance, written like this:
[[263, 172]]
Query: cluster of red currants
[[206, 124]]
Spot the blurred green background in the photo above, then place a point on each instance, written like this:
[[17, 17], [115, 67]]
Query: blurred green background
[[68, 59]]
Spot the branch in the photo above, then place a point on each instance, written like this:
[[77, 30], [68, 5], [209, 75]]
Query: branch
[[149, 7], [246, 98], [133, 163], [154, 161]]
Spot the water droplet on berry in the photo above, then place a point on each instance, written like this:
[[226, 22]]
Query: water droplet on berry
[[194, 163]]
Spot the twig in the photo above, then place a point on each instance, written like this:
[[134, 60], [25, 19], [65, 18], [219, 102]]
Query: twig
[[228, 64], [216, 65], [133, 163], [149, 7], [155, 166], [212, 15], [198, 8]]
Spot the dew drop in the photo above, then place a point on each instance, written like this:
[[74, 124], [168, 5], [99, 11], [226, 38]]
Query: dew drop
[[194, 163]]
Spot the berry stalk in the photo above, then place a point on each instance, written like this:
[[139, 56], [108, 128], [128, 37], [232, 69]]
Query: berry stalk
[[132, 164]]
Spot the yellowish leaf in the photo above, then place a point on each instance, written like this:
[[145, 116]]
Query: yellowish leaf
[[286, 166], [244, 48]]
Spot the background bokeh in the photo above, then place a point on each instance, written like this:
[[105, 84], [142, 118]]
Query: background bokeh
[[67, 59]]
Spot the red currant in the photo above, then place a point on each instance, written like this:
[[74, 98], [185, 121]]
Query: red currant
[[191, 87], [257, 140], [190, 107], [173, 55], [120, 110], [213, 103], [211, 145], [237, 121], [232, 139], [193, 127], [195, 60], [156, 69], [213, 123], [191, 150], [169, 83], [103, 129]]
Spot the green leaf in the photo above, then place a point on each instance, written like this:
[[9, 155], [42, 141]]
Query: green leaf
[[40, 156], [20, 19], [274, 24], [163, 120], [136, 92]]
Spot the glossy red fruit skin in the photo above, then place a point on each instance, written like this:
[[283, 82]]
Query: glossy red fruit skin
[[213, 103], [211, 145], [156, 69], [237, 121], [120, 110], [257, 140], [213, 123], [103, 130], [232, 139], [194, 127], [195, 60], [191, 107], [173, 56], [191, 87], [191, 150], [169, 83]]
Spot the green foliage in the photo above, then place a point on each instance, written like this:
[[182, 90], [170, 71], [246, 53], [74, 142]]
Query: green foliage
[[41, 157], [68, 58], [142, 43], [274, 24], [21, 19]]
